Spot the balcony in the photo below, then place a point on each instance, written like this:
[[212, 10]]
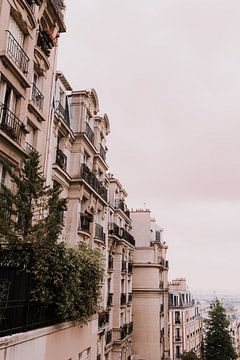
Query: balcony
[[129, 298], [123, 299], [10, 124], [37, 97], [130, 267], [177, 321], [110, 263], [102, 152], [103, 318], [89, 133], [61, 159], [178, 338], [108, 337], [128, 237], [45, 42], [124, 266], [16, 53], [110, 299], [62, 112], [123, 331], [18, 313], [99, 234], [113, 229], [120, 204], [29, 148], [130, 328], [91, 180], [85, 220]]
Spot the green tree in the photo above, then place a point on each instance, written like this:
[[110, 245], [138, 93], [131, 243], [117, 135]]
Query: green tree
[[218, 342], [32, 208], [191, 355], [31, 221]]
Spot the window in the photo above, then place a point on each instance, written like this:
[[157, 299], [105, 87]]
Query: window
[[3, 173], [31, 137], [16, 31], [15, 41]]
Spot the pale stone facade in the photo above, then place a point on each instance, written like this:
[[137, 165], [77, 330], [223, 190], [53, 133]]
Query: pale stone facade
[[29, 32], [185, 322], [150, 288]]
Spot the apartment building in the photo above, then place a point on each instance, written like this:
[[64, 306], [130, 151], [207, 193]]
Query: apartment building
[[150, 288], [120, 266], [185, 322], [29, 32]]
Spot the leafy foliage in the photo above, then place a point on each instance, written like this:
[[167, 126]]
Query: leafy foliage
[[191, 355], [218, 343], [31, 220]]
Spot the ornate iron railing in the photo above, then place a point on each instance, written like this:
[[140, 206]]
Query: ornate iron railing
[[102, 152], [16, 52], [99, 233], [37, 96], [91, 179], [113, 229], [61, 159], [10, 124], [89, 133]]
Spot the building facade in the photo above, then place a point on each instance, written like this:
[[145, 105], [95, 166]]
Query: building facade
[[29, 32], [150, 288], [185, 322]]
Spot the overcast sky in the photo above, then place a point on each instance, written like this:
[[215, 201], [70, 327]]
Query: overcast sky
[[167, 73]]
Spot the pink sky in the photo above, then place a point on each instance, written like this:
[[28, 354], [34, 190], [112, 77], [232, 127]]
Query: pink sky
[[167, 72]]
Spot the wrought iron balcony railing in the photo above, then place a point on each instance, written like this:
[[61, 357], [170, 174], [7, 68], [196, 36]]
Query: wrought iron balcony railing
[[91, 179], [130, 328], [18, 313], [110, 299], [113, 229], [123, 331], [62, 112], [89, 133], [120, 204], [37, 96], [61, 159], [128, 237], [123, 299], [29, 148], [108, 337], [85, 221], [16, 53], [110, 263], [10, 124], [99, 232], [103, 318], [102, 152]]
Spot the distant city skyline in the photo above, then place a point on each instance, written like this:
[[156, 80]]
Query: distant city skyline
[[167, 74]]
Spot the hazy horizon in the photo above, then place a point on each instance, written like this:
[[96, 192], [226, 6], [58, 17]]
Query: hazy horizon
[[167, 74]]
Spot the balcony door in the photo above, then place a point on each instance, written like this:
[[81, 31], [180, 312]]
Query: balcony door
[[8, 101], [16, 32]]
